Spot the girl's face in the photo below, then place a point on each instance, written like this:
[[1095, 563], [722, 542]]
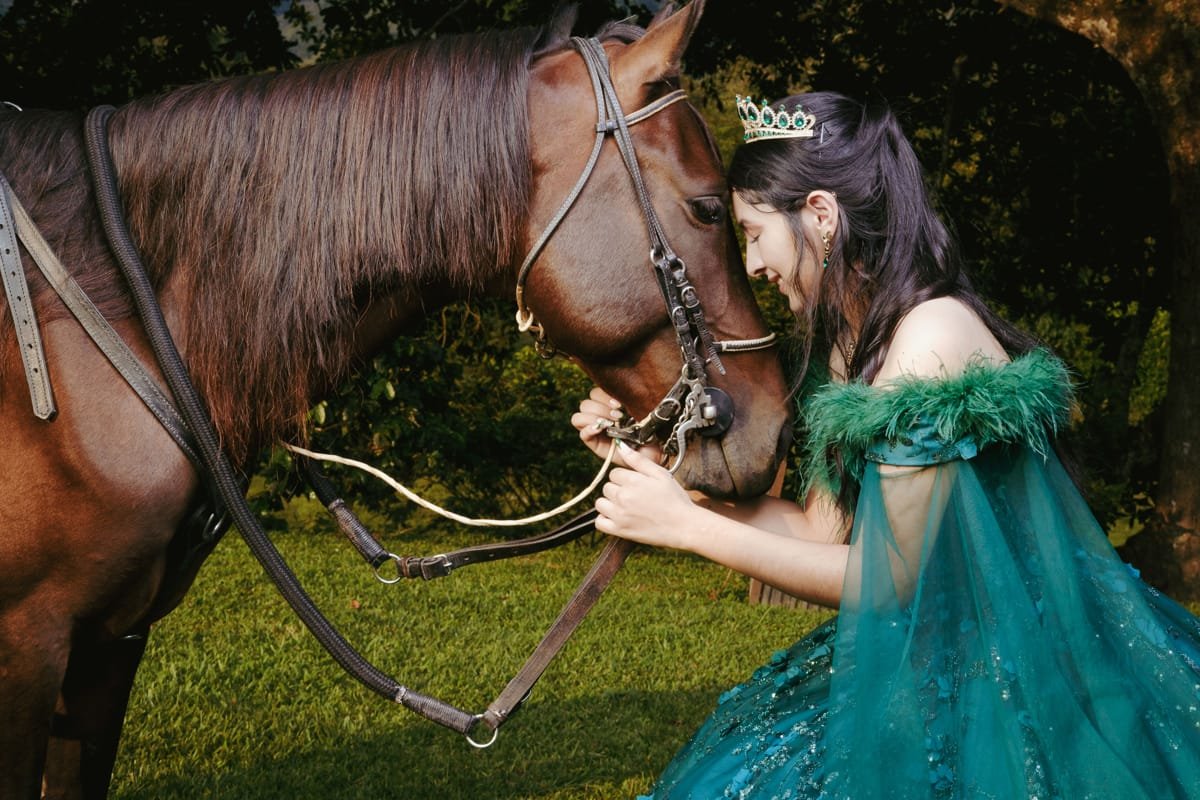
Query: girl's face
[[771, 251]]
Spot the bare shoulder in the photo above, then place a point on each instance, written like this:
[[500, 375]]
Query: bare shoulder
[[938, 337]]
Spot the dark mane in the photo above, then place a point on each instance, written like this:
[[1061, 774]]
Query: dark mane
[[277, 203]]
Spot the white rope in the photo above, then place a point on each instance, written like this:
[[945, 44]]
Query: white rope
[[383, 476]]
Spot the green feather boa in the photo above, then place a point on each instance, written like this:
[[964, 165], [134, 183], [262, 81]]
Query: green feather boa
[[1023, 401]]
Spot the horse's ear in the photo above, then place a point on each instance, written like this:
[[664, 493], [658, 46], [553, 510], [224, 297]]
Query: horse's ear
[[656, 56], [558, 29]]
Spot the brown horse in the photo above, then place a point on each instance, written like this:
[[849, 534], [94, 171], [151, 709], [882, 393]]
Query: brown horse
[[292, 224]]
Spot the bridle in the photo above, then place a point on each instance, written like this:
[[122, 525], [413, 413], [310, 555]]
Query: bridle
[[691, 403]]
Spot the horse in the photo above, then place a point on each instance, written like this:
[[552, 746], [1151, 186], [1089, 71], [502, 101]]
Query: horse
[[292, 224]]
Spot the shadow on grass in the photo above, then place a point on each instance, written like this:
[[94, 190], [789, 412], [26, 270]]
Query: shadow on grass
[[604, 746]]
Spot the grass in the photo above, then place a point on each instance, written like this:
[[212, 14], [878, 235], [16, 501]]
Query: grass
[[235, 699]]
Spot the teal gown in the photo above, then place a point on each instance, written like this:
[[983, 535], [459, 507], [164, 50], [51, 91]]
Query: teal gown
[[989, 643]]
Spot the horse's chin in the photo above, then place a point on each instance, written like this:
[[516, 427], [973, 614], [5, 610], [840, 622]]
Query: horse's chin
[[709, 468]]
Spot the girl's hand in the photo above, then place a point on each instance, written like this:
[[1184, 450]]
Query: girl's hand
[[644, 503], [596, 414]]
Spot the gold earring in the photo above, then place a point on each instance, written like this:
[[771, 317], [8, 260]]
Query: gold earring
[[827, 240]]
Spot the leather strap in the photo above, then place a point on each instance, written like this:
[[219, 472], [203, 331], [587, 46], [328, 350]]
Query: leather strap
[[589, 591], [20, 303], [435, 566], [648, 110], [103, 334], [439, 566]]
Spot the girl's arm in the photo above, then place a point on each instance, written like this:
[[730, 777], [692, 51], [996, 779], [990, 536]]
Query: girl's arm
[[780, 543]]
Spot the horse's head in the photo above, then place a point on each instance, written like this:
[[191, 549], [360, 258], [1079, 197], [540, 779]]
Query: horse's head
[[593, 288]]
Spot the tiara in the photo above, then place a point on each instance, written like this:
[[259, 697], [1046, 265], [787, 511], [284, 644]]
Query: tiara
[[764, 122]]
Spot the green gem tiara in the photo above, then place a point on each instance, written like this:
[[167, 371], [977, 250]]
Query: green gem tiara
[[764, 122]]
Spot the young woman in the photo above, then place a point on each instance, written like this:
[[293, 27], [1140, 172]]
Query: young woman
[[989, 642]]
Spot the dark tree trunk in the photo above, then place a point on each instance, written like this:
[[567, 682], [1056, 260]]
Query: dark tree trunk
[[1158, 44]]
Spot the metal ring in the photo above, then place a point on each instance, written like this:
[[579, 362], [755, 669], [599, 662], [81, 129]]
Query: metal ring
[[480, 745], [678, 271], [678, 408], [11, 104], [399, 570]]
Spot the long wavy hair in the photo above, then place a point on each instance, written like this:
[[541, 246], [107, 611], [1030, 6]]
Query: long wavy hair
[[891, 250]]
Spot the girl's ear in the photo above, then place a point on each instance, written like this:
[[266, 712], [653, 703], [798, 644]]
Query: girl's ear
[[824, 205]]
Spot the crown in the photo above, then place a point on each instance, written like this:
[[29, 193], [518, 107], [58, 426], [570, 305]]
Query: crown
[[764, 122]]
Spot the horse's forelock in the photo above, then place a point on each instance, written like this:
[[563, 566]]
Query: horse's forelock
[[623, 30], [557, 32]]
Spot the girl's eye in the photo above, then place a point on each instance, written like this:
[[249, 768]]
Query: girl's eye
[[752, 239], [708, 210]]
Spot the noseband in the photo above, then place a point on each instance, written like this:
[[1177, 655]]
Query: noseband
[[691, 404]]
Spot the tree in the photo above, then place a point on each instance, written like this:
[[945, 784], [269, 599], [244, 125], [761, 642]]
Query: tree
[[1158, 44], [72, 55]]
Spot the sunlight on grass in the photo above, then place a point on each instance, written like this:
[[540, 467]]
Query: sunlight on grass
[[236, 699]]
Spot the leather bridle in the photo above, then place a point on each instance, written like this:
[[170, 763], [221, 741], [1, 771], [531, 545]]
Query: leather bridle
[[691, 403]]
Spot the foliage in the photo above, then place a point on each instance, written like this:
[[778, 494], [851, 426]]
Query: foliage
[[330, 29], [463, 412], [235, 699], [72, 55]]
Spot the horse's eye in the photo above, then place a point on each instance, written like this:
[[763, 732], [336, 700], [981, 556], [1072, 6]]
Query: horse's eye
[[708, 210]]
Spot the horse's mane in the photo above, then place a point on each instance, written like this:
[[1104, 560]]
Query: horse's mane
[[274, 202]]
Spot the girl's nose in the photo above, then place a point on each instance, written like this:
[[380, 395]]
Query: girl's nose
[[754, 264]]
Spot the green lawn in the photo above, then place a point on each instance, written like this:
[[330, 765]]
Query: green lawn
[[236, 700]]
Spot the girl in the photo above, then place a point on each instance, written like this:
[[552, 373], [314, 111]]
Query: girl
[[989, 642]]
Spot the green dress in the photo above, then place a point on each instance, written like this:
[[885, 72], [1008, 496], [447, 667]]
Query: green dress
[[989, 643]]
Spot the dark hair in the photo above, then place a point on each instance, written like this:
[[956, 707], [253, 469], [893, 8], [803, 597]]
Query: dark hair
[[891, 250]]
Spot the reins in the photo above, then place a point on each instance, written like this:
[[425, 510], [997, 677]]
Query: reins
[[440, 565], [401, 489], [226, 484]]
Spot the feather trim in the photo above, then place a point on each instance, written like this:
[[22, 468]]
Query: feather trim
[[1026, 400]]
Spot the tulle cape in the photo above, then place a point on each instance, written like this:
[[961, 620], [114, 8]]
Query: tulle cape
[[989, 644]]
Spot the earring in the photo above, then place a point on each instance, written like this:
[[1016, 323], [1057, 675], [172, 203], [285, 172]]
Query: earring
[[827, 240]]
